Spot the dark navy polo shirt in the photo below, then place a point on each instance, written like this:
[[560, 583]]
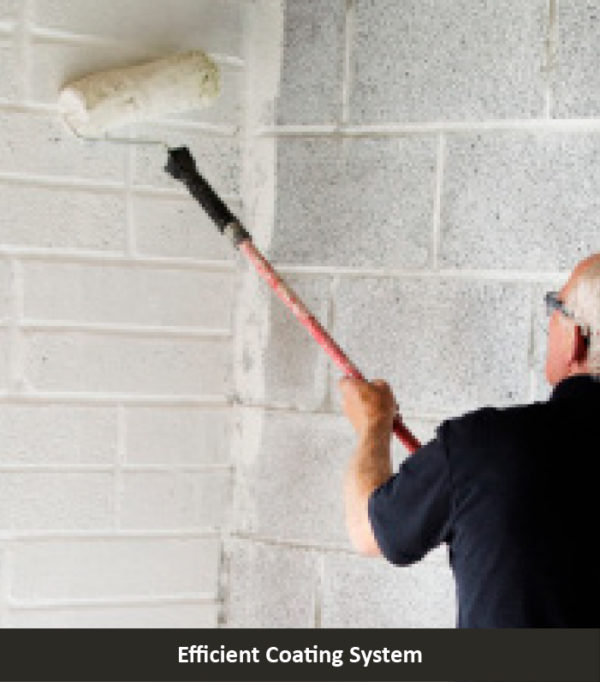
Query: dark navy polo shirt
[[514, 494]]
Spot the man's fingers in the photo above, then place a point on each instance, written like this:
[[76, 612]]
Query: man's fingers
[[383, 386], [347, 382], [350, 386]]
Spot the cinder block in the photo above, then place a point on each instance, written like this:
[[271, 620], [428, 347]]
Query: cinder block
[[5, 290], [270, 586], [178, 227], [145, 616], [180, 24], [575, 78], [264, 65], [9, 83], [113, 567], [36, 142], [372, 593], [127, 295], [519, 199], [295, 366], [58, 217], [424, 61], [57, 434], [442, 344], [200, 500], [61, 361], [250, 337], [3, 574], [59, 501], [289, 476], [311, 64], [217, 158], [259, 186], [355, 202], [177, 436], [55, 64], [4, 357], [8, 9]]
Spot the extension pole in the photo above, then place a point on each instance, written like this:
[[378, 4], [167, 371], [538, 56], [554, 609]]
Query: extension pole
[[181, 166]]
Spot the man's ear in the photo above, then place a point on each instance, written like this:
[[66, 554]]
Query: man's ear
[[580, 345]]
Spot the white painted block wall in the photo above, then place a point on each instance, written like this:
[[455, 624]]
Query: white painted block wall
[[115, 329], [422, 171]]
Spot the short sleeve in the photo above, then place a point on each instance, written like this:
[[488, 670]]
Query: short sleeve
[[410, 512]]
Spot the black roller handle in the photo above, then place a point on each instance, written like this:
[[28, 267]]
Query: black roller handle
[[182, 166]]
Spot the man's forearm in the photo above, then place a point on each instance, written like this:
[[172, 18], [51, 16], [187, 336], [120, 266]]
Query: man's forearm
[[369, 467]]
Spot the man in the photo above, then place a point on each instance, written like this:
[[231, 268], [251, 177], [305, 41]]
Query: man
[[513, 491]]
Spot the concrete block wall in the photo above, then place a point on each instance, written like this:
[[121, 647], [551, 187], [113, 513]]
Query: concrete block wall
[[422, 172], [116, 342], [172, 442]]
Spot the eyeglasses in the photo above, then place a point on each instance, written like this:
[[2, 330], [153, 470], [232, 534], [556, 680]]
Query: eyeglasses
[[554, 303]]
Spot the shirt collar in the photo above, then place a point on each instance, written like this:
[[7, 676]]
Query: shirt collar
[[577, 386]]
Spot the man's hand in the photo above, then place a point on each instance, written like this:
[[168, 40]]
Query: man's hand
[[368, 405]]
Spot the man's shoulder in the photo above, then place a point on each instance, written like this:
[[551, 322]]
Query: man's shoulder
[[484, 424]]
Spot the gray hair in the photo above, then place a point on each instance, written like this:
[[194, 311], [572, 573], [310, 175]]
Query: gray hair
[[583, 301]]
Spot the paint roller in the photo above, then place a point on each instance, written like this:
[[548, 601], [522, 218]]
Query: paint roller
[[98, 102]]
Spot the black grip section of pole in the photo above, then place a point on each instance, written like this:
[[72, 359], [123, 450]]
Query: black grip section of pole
[[181, 166]]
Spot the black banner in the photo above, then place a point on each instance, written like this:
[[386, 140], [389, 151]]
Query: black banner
[[281, 655]]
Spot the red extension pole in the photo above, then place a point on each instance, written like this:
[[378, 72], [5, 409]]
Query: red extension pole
[[307, 319]]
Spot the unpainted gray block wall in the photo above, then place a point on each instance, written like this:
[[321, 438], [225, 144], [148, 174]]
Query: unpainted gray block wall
[[421, 172]]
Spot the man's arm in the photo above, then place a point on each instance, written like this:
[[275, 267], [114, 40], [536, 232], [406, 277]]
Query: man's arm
[[371, 408]]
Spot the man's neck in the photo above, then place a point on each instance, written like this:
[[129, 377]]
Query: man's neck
[[577, 369]]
